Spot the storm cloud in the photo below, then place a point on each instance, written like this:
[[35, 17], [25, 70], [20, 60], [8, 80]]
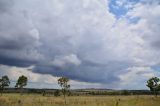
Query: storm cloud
[[80, 39]]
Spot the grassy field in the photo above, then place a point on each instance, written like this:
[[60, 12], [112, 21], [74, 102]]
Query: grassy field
[[39, 100]]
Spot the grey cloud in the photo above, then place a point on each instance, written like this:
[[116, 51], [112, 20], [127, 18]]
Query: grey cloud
[[87, 71], [18, 36], [5, 5]]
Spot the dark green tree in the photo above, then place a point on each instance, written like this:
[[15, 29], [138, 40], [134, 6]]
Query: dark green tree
[[153, 84], [63, 82], [57, 93], [4, 82], [21, 82]]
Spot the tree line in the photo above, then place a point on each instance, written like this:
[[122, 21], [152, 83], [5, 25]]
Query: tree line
[[153, 84], [23, 80]]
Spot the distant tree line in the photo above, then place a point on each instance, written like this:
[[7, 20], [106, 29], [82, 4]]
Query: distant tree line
[[153, 84]]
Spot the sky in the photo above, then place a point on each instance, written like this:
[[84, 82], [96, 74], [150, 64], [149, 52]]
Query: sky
[[113, 44]]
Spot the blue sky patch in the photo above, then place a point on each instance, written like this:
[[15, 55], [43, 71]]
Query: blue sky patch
[[120, 7], [156, 68]]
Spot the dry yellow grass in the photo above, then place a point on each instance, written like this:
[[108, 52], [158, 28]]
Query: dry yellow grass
[[38, 100]]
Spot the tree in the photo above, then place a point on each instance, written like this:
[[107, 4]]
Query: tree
[[63, 82], [44, 93], [153, 84], [4, 82], [57, 93], [21, 82]]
